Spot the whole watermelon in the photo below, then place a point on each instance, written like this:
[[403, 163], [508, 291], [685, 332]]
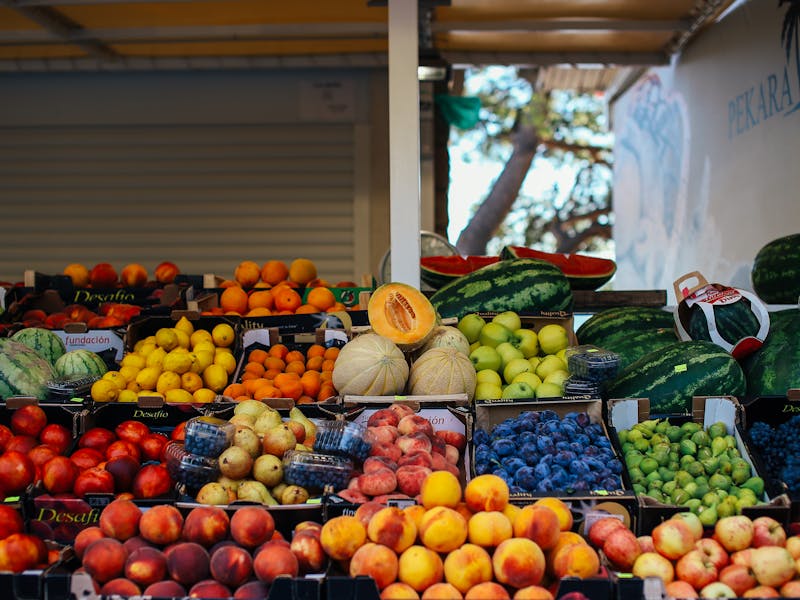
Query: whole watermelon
[[80, 363], [42, 341], [776, 271], [22, 371], [734, 322], [775, 367]]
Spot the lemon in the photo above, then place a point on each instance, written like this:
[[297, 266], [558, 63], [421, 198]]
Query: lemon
[[117, 378], [134, 360], [222, 350], [129, 373], [104, 390], [185, 325], [168, 380], [148, 377], [183, 339], [204, 346], [200, 335], [150, 394], [227, 361], [223, 335], [204, 359], [178, 395], [204, 395], [127, 396], [177, 360], [142, 343], [145, 349], [155, 358], [191, 382], [167, 338], [133, 386], [215, 377]]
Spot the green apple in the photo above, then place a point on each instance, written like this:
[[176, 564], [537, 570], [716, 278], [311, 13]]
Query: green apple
[[535, 360], [518, 390], [470, 325], [558, 377], [488, 391], [485, 357], [553, 338], [507, 353], [494, 334], [526, 341], [508, 319], [549, 390], [548, 365], [488, 376], [514, 367], [528, 377]]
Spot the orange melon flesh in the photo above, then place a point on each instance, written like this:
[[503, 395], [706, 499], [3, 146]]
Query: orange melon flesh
[[402, 314]]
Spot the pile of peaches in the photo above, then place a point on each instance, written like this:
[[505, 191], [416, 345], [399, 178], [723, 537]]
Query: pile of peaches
[[103, 275]]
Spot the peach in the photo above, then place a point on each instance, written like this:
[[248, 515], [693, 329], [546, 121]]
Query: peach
[[442, 529], [134, 543], [103, 275], [512, 512], [423, 459], [383, 417], [533, 592], [120, 519], [231, 565], [414, 442], [252, 526], [518, 562], [342, 536], [401, 410], [438, 445], [441, 591], [440, 488], [165, 589], [120, 587], [379, 481], [145, 566], [410, 479], [366, 511], [162, 524], [21, 551], [376, 561], [486, 492], [438, 462], [415, 424], [354, 496], [489, 528], [576, 560], [452, 438], [133, 275], [104, 559], [78, 273], [383, 433], [275, 559], [538, 523], [206, 525], [467, 566], [392, 527], [85, 537], [373, 463], [399, 591], [252, 590], [165, 272], [187, 563], [208, 588], [451, 454], [464, 510], [488, 590], [561, 508], [390, 451], [307, 548], [419, 567], [415, 511]]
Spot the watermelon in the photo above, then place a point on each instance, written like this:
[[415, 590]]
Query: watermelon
[[734, 321], [583, 272], [775, 273], [42, 341], [22, 371], [438, 271], [522, 285], [775, 367], [672, 375], [622, 321], [80, 363], [631, 346]]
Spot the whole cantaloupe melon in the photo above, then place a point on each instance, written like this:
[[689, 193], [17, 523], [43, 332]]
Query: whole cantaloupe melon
[[370, 365], [442, 371]]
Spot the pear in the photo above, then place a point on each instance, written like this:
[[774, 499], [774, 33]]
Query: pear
[[267, 420], [250, 407], [311, 429], [268, 469], [246, 438], [244, 420], [212, 493], [294, 494], [255, 491]]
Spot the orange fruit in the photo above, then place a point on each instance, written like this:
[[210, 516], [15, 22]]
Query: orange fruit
[[326, 391], [315, 363], [271, 373], [294, 355], [321, 297], [258, 312], [326, 376], [338, 306], [233, 299], [258, 355], [302, 270], [331, 353], [279, 350], [283, 378], [327, 364], [273, 363], [235, 389], [260, 299], [305, 400], [291, 389], [306, 309], [256, 368], [266, 391], [274, 271], [286, 299], [311, 383], [296, 366], [247, 273], [315, 350]]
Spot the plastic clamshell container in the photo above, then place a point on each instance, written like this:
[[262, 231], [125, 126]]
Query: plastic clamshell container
[[193, 470], [315, 471], [592, 363], [208, 436], [343, 438]]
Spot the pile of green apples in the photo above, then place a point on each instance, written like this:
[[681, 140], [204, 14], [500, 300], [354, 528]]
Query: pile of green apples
[[512, 361], [688, 466]]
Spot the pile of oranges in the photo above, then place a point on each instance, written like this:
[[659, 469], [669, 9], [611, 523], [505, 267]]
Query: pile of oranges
[[279, 372], [275, 289]]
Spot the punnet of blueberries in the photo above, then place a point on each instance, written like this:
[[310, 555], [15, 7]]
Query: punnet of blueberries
[[315, 471], [192, 470], [343, 438], [542, 452], [208, 436]]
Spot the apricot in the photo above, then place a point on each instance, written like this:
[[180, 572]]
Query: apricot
[[518, 562], [538, 523], [275, 559], [120, 519], [231, 565], [145, 566], [419, 567], [487, 591], [376, 561], [392, 527], [576, 560], [442, 529], [187, 563], [399, 591], [440, 488], [441, 591], [486, 492], [121, 587], [342, 536], [562, 510], [206, 525], [162, 524], [251, 526], [467, 566], [104, 559], [489, 528]]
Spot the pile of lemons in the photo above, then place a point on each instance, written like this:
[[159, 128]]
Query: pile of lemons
[[178, 364]]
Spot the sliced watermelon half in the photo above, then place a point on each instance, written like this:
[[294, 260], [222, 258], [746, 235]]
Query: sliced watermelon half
[[438, 271], [583, 272]]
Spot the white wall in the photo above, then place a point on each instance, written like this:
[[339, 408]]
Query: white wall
[[707, 155]]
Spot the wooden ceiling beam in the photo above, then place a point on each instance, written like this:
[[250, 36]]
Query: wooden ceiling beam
[[534, 25]]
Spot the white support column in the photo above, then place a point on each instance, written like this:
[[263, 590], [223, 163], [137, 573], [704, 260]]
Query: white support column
[[404, 159]]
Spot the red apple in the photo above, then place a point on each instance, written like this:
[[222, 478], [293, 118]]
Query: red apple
[[646, 543], [693, 521], [772, 565], [742, 557], [622, 548], [713, 551], [734, 532], [652, 564], [28, 420], [57, 436], [738, 577], [717, 589], [680, 589], [762, 591], [793, 546], [673, 538], [16, 472], [600, 529], [768, 532], [696, 569]]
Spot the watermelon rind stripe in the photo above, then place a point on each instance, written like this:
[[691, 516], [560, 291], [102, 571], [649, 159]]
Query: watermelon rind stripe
[[22, 371], [775, 367], [775, 274], [625, 320]]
